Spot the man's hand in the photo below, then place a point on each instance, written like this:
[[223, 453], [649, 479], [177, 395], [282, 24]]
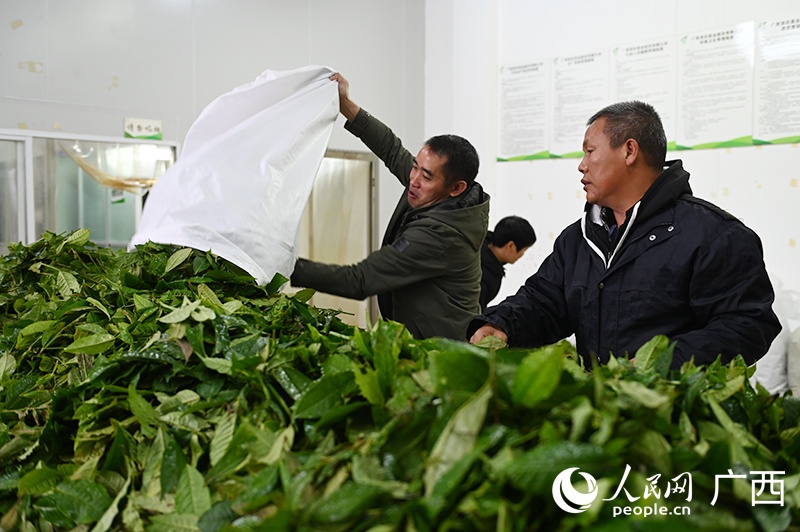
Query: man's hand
[[347, 107], [488, 330]]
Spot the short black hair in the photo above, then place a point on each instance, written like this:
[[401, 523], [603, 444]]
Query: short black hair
[[513, 229], [639, 121], [462, 158]]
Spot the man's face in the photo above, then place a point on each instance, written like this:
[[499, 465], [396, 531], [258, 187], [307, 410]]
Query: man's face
[[509, 253], [603, 167], [516, 254], [427, 185]]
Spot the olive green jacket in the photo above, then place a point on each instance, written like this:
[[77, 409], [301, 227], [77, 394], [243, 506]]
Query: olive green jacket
[[427, 273]]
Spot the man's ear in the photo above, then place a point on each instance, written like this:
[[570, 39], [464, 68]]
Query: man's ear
[[508, 252], [631, 151], [457, 188]]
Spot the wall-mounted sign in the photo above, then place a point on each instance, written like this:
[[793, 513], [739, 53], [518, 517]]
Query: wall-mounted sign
[[141, 128]]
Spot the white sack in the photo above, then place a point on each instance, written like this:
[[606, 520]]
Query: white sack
[[246, 171], [773, 369], [793, 363]]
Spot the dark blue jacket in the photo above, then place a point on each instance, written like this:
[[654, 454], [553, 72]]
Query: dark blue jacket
[[683, 268]]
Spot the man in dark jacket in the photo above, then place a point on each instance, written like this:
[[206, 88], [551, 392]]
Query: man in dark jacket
[[511, 238], [647, 258], [427, 272]]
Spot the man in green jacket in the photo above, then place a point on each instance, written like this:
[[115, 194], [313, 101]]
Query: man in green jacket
[[427, 272]]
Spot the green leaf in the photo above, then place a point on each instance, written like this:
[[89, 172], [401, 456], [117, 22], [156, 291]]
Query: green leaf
[[655, 354], [360, 339], [387, 341], [258, 489], [774, 519], [77, 501], [119, 450], [735, 432], [231, 307], [173, 463], [209, 298], [98, 305], [218, 517], [637, 392], [7, 365], [202, 313], [220, 365], [173, 523], [168, 352], [277, 281], [322, 395], [67, 284], [369, 385], [182, 313], [92, 344], [240, 451], [17, 446], [458, 437], [77, 238], [195, 335], [107, 520], [535, 471], [140, 302], [141, 409], [350, 501], [223, 435], [728, 389], [38, 481], [454, 367], [36, 327], [16, 390], [538, 376], [177, 258], [304, 295], [292, 381], [655, 448], [491, 342], [91, 328], [153, 460], [9, 480], [192, 496], [338, 414], [448, 484]]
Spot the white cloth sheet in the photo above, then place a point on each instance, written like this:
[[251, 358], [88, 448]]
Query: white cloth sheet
[[246, 171]]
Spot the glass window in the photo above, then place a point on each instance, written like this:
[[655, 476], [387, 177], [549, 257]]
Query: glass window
[[94, 185], [12, 221]]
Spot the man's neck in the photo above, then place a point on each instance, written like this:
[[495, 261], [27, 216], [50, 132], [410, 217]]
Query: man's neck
[[645, 181]]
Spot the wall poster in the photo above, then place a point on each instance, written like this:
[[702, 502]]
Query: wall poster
[[731, 86]]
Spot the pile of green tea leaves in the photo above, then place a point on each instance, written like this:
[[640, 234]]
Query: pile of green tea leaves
[[163, 390]]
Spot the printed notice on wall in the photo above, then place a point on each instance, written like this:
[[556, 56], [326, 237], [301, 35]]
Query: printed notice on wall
[[647, 71], [580, 89], [777, 82], [715, 94], [732, 86], [524, 111]]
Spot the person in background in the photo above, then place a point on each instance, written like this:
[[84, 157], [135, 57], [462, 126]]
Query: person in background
[[511, 238], [647, 258], [427, 272]]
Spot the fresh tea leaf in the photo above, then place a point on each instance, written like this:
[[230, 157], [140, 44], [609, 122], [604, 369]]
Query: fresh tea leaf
[[539, 374]]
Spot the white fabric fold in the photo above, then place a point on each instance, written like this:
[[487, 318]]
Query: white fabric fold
[[246, 171]]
